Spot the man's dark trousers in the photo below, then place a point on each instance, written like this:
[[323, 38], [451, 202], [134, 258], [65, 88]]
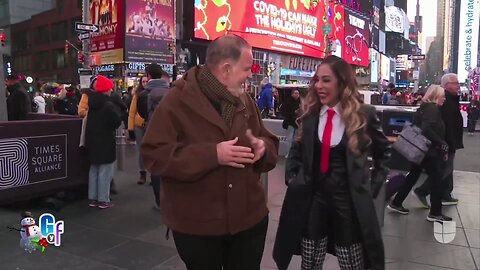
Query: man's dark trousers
[[447, 180], [241, 251]]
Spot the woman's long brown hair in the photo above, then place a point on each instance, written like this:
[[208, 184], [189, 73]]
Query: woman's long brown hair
[[355, 121]]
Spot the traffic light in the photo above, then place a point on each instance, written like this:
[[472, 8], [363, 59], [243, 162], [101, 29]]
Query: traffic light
[[66, 48], [3, 37]]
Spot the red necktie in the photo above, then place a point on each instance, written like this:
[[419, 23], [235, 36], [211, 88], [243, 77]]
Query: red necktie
[[326, 139]]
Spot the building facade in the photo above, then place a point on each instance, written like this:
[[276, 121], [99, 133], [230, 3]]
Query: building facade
[[39, 43]]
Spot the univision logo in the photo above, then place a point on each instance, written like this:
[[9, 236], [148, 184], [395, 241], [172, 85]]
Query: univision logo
[[444, 232]]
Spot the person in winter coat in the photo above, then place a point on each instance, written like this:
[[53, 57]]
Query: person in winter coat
[[429, 119], [452, 117], [40, 102], [136, 125], [290, 111], [328, 207], [208, 143], [18, 101], [265, 102], [102, 120], [473, 115], [67, 102]]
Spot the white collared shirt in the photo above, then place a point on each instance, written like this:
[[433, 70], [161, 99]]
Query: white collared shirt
[[338, 126]]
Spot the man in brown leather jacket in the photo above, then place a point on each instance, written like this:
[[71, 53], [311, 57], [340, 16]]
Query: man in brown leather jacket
[[208, 143]]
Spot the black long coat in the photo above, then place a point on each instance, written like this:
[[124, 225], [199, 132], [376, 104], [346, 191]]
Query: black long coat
[[362, 183], [103, 119]]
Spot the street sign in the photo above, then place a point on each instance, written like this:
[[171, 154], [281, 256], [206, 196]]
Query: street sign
[[82, 27], [83, 36], [416, 57], [327, 29]]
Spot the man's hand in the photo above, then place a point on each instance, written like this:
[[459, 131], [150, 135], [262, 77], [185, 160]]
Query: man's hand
[[257, 144], [229, 154]]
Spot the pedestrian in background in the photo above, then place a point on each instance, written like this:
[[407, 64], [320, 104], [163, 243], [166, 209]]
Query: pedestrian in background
[[428, 117], [452, 117], [473, 115], [103, 119], [136, 127], [18, 101], [209, 145]]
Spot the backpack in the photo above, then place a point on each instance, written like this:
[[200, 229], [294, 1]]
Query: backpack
[[142, 104], [71, 105], [34, 106]]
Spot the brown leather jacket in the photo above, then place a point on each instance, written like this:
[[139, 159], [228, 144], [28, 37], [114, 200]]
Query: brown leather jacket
[[199, 196]]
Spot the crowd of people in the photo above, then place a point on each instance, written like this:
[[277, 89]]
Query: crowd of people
[[203, 142]]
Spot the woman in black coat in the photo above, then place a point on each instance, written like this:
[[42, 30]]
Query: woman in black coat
[[103, 119], [329, 205], [429, 118]]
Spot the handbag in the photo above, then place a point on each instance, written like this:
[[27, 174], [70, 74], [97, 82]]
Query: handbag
[[412, 144]]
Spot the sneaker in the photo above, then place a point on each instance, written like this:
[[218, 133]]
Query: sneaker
[[399, 209], [440, 218], [422, 200], [105, 205], [449, 201], [93, 203], [143, 178]]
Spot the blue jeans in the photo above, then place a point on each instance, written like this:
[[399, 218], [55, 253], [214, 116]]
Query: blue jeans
[[99, 179], [290, 137], [139, 133]]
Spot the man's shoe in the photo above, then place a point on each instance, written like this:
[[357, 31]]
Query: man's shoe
[[399, 209], [449, 201], [422, 200], [440, 218]]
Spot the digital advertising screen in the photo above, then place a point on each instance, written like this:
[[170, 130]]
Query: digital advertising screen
[[108, 16], [357, 39], [288, 26], [149, 31], [384, 68], [468, 37]]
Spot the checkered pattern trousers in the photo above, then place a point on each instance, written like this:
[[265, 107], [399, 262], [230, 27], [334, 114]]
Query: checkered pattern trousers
[[315, 251], [351, 257]]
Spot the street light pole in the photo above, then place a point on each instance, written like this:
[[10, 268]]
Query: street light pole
[[86, 43], [3, 91]]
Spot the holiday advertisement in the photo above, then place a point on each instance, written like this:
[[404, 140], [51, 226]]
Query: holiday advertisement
[[150, 31], [290, 26], [357, 39], [108, 16]]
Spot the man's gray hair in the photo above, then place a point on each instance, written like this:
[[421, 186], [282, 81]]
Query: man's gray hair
[[447, 78], [225, 47]]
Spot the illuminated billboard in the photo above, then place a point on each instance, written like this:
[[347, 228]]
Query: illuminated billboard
[[288, 26], [468, 37]]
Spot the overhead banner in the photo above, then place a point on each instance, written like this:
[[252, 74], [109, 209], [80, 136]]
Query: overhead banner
[[468, 38], [150, 31], [288, 26], [357, 39], [108, 16]]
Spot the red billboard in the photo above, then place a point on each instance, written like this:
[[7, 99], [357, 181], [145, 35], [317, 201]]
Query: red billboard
[[109, 17], [287, 26], [150, 31], [357, 39]]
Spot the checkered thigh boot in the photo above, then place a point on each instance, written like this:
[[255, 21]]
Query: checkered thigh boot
[[313, 253], [351, 257]]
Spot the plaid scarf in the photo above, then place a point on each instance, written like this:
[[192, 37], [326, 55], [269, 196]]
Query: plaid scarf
[[217, 93]]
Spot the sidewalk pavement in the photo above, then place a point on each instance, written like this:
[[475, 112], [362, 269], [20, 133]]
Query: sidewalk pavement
[[131, 234]]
